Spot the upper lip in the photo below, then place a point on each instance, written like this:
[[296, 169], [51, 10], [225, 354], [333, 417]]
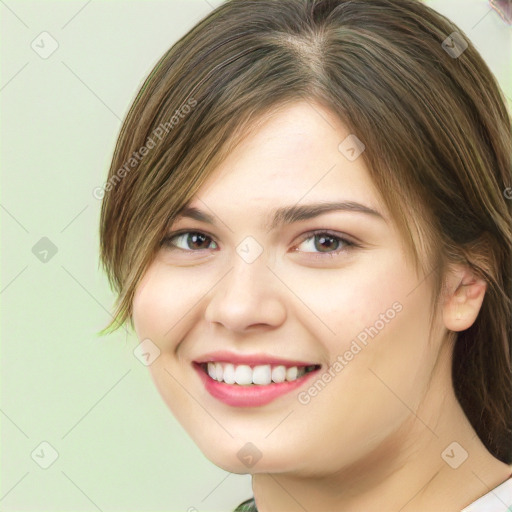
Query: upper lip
[[249, 359]]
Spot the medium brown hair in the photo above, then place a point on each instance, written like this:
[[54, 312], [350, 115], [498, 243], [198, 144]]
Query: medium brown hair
[[434, 123]]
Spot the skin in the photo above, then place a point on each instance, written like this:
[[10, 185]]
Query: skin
[[373, 437]]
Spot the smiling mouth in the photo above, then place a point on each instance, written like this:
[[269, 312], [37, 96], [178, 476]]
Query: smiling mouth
[[259, 375]]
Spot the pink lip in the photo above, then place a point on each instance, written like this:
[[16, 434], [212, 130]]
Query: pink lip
[[251, 360], [248, 396]]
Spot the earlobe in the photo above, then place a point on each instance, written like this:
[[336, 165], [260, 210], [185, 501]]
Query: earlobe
[[463, 302]]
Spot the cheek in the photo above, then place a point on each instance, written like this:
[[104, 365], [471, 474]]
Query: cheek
[[346, 301], [388, 313], [155, 306]]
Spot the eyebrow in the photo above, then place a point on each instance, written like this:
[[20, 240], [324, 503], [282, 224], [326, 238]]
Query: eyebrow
[[291, 214]]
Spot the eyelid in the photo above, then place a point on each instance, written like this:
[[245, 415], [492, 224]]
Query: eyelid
[[335, 234], [173, 234], [346, 240], [348, 245]]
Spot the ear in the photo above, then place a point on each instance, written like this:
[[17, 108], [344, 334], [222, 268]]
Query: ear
[[464, 294]]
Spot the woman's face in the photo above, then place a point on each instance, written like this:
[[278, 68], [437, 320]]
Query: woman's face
[[288, 295]]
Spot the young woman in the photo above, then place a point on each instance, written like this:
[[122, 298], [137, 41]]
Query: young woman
[[307, 221]]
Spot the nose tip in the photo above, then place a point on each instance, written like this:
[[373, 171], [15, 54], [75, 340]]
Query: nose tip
[[248, 296]]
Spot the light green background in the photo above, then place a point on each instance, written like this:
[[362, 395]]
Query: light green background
[[119, 448]]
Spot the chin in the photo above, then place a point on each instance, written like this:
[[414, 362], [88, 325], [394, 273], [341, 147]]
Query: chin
[[244, 458]]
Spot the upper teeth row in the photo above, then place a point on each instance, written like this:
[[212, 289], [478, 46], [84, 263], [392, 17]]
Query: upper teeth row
[[244, 375]]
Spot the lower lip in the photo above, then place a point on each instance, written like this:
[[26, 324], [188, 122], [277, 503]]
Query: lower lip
[[249, 396]]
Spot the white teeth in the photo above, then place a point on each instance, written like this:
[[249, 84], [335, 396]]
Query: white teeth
[[218, 371], [279, 373], [262, 375], [211, 371], [229, 374], [291, 373], [243, 375]]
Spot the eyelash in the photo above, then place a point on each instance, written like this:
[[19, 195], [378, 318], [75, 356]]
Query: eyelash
[[348, 244]]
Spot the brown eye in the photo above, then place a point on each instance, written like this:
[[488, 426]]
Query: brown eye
[[188, 241], [324, 242]]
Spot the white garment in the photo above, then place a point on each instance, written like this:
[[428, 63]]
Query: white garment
[[497, 500]]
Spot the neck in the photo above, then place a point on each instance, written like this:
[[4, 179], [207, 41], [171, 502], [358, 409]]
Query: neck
[[406, 473]]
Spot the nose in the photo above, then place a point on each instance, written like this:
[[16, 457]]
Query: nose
[[248, 296]]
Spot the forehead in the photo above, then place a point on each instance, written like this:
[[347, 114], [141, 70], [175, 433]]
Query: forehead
[[296, 153]]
